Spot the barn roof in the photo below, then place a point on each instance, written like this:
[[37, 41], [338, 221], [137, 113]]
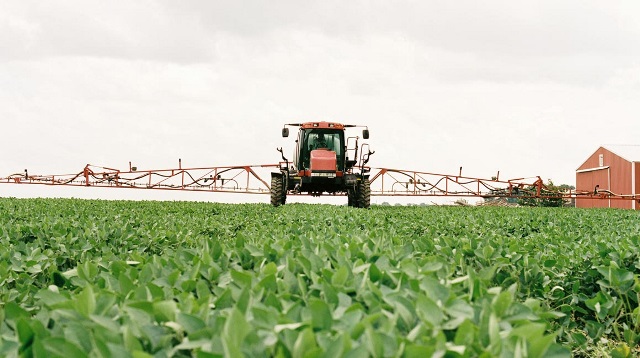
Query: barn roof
[[629, 152]]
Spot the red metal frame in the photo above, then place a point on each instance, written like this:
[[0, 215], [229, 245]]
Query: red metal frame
[[246, 179], [230, 179], [398, 182]]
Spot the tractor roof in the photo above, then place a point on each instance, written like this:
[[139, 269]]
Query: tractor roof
[[322, 125]]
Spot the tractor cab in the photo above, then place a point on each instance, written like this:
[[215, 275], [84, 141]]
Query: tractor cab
[[320, 148], [323, 162]]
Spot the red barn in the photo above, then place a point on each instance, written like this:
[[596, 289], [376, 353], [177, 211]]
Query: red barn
[[614, 168]]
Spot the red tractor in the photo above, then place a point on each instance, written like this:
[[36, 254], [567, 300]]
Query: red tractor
[[324, 162]]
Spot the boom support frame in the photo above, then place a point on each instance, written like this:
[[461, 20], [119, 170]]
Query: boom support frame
[[248, 179]]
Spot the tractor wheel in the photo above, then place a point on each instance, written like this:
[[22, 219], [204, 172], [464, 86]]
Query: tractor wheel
[[363, 200], [278, 192]]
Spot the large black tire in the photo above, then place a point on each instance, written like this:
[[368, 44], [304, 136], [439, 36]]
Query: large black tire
[[278, 191], [363, 194]]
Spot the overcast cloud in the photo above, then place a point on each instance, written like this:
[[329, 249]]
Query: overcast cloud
[[527, 88]]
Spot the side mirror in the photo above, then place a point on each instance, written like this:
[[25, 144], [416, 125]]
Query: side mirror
[[285, 132], [365, 134]]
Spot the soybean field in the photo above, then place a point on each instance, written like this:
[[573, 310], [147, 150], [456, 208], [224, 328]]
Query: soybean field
[[92, 278]]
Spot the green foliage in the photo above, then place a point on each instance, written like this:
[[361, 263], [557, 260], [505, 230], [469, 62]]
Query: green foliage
[[154, 279], [553, 196]]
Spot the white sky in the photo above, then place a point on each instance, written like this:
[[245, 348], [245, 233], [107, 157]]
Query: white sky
[[526, 88]]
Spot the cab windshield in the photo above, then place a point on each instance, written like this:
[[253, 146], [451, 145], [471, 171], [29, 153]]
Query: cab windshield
[[322, 139]]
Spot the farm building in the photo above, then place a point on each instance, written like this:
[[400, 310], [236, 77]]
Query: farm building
[[613, 168]]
